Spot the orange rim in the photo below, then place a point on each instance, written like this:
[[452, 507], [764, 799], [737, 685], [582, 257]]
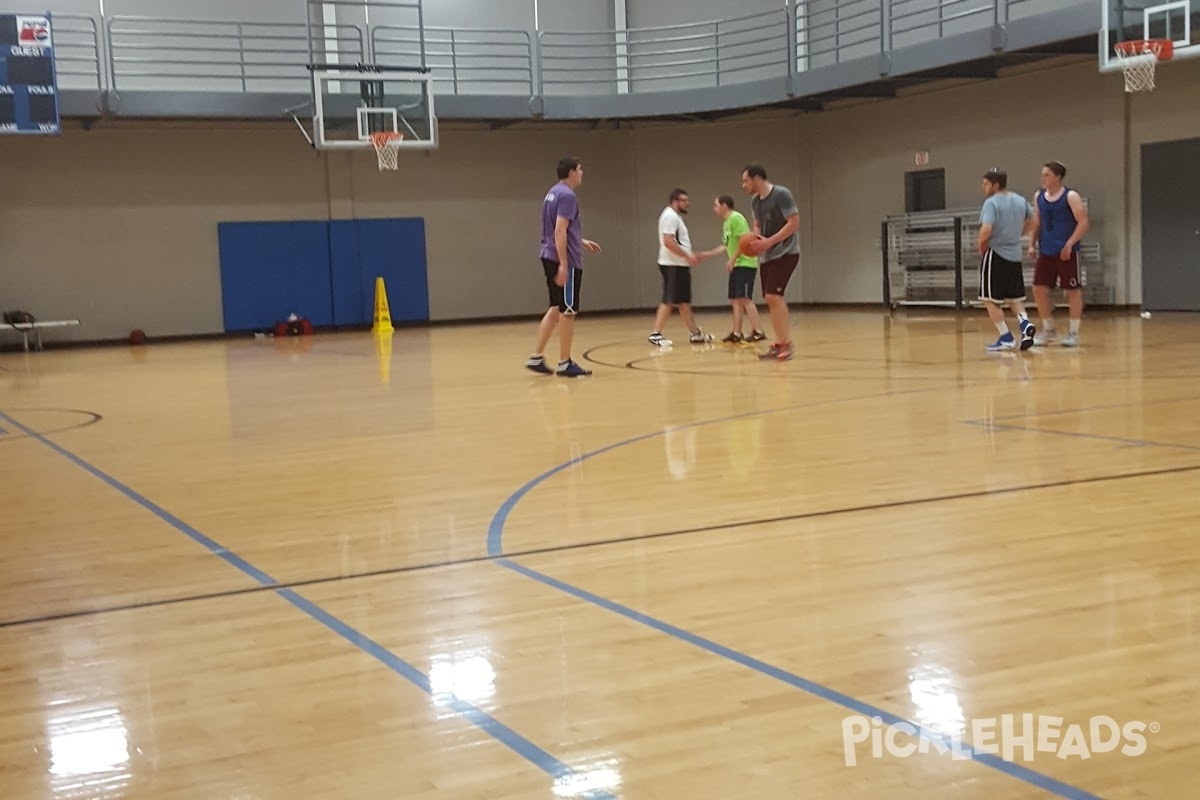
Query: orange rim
[[384, 138], [1162, 49]]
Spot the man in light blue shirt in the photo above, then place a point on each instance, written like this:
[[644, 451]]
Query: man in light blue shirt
[[1005, 217]]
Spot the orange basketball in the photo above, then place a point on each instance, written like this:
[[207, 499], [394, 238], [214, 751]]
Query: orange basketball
[[744, 242]]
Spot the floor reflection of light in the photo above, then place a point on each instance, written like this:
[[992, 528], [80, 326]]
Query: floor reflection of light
[[469, 678], [89, 754], [602, 777], [681, 452], [931, 687]]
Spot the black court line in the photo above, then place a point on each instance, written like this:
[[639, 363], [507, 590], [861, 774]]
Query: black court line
[[92, 419], [1068, 411], [733, 350], [566, 548], [790, 376]]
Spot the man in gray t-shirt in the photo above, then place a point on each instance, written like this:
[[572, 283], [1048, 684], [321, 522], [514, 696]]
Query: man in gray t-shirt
[[777, 225], [1004, 218]]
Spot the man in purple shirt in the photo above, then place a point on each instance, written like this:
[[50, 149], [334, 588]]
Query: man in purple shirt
[[562, 261]]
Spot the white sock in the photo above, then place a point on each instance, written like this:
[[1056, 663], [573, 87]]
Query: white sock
[[1048, 325], [1022, 317], [1003, 328], [1075, 326]]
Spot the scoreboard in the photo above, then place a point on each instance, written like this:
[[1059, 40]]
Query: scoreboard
[[28, 80]]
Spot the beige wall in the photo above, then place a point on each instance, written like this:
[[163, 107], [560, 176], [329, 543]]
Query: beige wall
[[1069, 114], [120, 227], [117, 226]]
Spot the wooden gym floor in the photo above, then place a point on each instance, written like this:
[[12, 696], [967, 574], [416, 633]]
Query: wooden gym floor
[[318, 569]]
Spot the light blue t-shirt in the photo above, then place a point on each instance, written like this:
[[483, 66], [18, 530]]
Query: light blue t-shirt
[[1006, 212]]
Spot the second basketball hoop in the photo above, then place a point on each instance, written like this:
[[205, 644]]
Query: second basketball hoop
[[1139, 58], [387, 146]]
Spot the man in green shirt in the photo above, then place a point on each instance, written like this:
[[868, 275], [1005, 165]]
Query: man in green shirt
[[742, 271]]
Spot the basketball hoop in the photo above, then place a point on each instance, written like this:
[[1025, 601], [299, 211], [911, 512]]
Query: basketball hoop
[[1138, 58], [387, 145]]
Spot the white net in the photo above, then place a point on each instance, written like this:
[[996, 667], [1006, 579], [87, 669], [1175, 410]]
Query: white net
[[387, 147], [1138, 61]]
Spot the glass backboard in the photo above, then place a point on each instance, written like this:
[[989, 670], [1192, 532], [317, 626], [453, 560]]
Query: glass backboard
[[352, 102]]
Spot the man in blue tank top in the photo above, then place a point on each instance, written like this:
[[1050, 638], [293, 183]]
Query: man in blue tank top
[[1003, 220], [1062, 221]]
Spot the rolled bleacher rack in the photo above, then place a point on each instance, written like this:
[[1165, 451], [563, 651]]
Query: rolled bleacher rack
[[931, 259]]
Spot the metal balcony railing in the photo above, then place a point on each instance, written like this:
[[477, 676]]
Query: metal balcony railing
[[131, 53], [157, 53], [77, 52], [463, 60], [668, 57]]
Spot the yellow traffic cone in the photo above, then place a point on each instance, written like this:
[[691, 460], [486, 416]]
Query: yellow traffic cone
[[383, 316], [383, 354]]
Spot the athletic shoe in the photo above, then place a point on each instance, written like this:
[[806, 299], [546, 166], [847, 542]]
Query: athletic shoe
[[659, 339], [1044, 338], [570, 369], [1027, 332], [1005, 342], [700, 337], [538, 364], [780, 351], [733, 338], [1071, 340], [757, 336]]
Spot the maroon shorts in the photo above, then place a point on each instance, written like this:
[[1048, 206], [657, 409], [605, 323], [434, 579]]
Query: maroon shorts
[[1052, 271], [776, 274]]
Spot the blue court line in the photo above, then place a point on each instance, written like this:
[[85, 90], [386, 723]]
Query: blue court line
[[832, 695], [231, 558], [496, 548], [543, 760]]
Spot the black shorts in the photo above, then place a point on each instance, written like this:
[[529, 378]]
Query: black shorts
[[566, 298], [677, 284], [777, 273], [741, 283], [1000, 280]]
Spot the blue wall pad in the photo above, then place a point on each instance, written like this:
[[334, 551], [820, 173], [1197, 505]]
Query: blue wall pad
[[272, 269], [365, 249], [321, 270]]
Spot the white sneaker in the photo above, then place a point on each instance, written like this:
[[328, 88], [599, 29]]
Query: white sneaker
[[1071, 340], [659, 339], [1044, 338]]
